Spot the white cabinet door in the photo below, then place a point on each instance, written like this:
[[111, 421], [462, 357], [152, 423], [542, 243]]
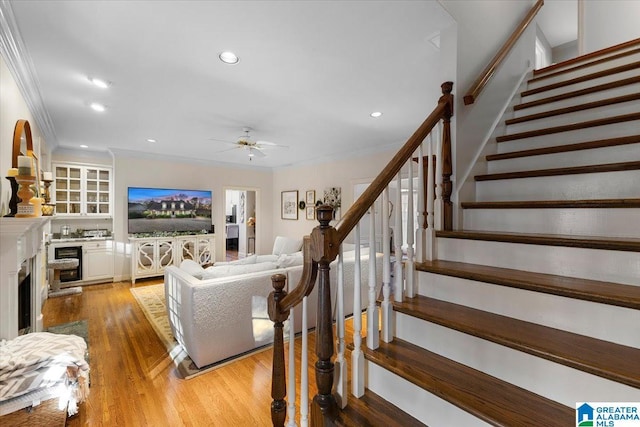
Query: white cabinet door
[[97, 260]]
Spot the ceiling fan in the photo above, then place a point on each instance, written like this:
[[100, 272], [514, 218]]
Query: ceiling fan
[[253, 148]]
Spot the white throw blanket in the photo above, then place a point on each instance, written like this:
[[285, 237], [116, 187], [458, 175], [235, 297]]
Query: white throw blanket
[[42, 359]]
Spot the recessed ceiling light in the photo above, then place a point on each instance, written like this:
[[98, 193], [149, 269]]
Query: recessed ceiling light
[[229, 58], [99, 82], [84, 146], [97, 107], [151, 140], [376, 114]]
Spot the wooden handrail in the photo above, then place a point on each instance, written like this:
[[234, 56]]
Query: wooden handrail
[[373, 191], [490, 70], [322, 247]]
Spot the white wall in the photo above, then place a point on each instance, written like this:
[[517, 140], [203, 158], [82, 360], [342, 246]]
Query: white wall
[[141, 172], [13, 107], [481, 29], [343, 173], [609, 22]]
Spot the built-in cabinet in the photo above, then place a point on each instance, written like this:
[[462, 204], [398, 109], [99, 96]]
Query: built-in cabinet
[[151, 255], [82, 190], [97, 260]]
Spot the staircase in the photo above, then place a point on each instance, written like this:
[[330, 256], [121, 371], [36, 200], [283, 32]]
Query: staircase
[[534, 305]]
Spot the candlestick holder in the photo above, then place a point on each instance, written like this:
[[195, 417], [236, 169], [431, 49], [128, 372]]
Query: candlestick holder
[[47, 194], [13, 202], [25, 208]]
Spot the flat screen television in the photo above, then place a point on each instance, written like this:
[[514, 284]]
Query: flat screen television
[[167, 210]]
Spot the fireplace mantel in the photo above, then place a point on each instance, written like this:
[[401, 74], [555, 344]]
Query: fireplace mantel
[[21, 239]]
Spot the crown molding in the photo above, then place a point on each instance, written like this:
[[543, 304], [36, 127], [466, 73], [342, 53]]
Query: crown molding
[[21, 66]]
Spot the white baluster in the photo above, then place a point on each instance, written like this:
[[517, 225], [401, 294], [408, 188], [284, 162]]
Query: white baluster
[[373, 337], [340, 365], [409, 272], [398, 287], [386, 308], [304, 369], [291, 383], [430, 232], [420, 231], [437, 209], [357, 356]]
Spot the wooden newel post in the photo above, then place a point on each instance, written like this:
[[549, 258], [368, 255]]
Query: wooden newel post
[[325, 248], [447, 168], [278, 379]]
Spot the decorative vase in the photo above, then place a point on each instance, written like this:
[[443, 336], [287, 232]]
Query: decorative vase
[[25, 208]]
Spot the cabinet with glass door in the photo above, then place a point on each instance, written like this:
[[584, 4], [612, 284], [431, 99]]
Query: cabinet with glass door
[[82, 190]]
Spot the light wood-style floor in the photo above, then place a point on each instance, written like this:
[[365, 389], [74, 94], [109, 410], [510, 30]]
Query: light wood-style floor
[[131, 382]]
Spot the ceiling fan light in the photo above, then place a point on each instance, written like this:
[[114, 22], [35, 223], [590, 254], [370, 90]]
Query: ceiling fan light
[[228, 57]]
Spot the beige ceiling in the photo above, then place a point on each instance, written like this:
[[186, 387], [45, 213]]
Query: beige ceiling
[[310, 72]]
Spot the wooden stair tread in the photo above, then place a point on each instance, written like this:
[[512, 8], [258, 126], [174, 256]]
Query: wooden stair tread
[[580, 92], [606, 167], [554, 204], [588, 56], [488, 398], [605, 359], [584, 289], [371, 410], [587, 242], [541, 73], [570, 127], [575, 108], [601, 143], [583, 78]]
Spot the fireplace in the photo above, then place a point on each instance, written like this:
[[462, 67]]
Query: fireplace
[[24, 298], [22, 275]]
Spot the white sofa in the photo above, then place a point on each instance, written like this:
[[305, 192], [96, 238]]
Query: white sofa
[[217, 318]]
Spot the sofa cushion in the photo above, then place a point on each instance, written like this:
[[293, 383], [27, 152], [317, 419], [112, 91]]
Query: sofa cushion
[[267, 258], [291, 260], [193, 268], [286, 245], [235, 270], [242, 261]]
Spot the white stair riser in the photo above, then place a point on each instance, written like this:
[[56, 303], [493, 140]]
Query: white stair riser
[[588, 186], [546, 378], [602, 321], [585, 70], [613, 222], [592, 97], [614, 130], [594, 156], [596, 264], [576, 117], [582, 85], [422, 405]]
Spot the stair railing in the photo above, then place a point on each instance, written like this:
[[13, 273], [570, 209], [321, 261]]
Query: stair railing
[[486, 75], [324, 245]]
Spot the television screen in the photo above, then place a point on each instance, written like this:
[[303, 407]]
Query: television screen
[[165, 210]]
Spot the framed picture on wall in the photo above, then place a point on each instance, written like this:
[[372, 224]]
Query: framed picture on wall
[[311, 212], [289, 204], [310, 197]]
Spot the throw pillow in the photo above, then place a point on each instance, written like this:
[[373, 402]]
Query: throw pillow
[[193, 268], [286, 245]]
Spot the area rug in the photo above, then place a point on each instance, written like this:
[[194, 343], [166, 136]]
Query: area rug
[[152, 301], [79, 328]]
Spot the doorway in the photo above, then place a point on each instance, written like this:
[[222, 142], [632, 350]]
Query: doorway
[[240, 223]]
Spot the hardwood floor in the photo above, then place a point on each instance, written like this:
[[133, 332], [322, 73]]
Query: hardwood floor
[[133, 385]]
